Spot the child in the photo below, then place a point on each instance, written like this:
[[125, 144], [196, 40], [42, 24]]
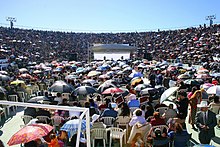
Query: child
[[54, 141]]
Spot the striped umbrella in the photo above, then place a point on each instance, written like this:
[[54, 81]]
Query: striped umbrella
[[71, 126], [84, 90]]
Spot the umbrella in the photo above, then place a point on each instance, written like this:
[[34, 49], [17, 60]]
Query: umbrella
[[71, 126], [215, 75], [167, 93], [125, 91], [202, 76], [4, 77], [116, 68], [105, 86], [29, 133], [84, 90], [206, 86], [62, 87], [147, 91], [136, 74], [26, 76], [16, 82], [71, 77], [38, 99], [22, 70], [93, 73], [183, 76], [136, 81], [214, 90], [80, 70], [191, 82], [139, 87], [89, 81], [167, 103], [112, 90], [105, 76]]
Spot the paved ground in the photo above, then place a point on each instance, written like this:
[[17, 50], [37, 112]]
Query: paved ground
[[12, 125]]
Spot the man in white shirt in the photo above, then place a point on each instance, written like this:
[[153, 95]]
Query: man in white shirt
[[59, 98]]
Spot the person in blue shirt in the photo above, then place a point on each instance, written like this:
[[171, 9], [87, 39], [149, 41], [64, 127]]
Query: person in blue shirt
[[133, 102], [109, 112]]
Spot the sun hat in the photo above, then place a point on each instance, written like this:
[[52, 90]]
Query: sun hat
[[203, 104], [95, 117]]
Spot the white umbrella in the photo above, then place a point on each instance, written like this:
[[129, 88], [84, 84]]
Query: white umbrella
[[168, 93], [214, 90]]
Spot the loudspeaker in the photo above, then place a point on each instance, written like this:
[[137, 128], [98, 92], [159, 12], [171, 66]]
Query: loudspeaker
[[73, 57]]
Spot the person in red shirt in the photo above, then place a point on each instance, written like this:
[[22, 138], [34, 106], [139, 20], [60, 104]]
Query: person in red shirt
[[157, 120], [214, 81]]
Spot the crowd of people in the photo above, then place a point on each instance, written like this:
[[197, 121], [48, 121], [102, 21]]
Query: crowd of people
[[45, 51], [192, 45]]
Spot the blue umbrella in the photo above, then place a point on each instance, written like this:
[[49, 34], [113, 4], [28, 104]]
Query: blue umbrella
[[136, 74], [71, 126], [80, 70]]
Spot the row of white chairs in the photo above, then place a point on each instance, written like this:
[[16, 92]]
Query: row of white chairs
[[115, 133]]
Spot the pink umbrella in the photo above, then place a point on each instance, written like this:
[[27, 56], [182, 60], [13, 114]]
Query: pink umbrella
[[29, 133], [112, 90]]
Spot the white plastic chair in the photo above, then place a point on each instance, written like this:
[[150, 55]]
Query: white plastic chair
[[108, 121], [26, 119], [123, 121], [43, 119], [13, 98], [56, 121], [117, 133], [161, 110], [98, 133]]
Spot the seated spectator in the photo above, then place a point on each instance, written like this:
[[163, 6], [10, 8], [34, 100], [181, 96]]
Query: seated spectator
[[104, 105], [139, 127], [133, 102], [92, 110], [63, 113], [96, 123], [124, 110], [137, 118], [92, 103], [149, 112], [159, 139], [170, 113], [215, 105], [180, 136], [43, 112], [73, 113], [157, 120], [58, 98], [109, 112]]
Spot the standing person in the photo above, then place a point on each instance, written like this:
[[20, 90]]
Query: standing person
[[205, 121], [193, 101], [182, 104]]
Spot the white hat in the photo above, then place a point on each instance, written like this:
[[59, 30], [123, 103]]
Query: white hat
[[95, 117], [203, 104], [132, 97]]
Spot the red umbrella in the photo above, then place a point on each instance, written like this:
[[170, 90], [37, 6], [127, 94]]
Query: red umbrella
[[29, 133], [112, 90]]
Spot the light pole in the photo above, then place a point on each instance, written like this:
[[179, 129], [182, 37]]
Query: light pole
[[210, 18], [11, 20]]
